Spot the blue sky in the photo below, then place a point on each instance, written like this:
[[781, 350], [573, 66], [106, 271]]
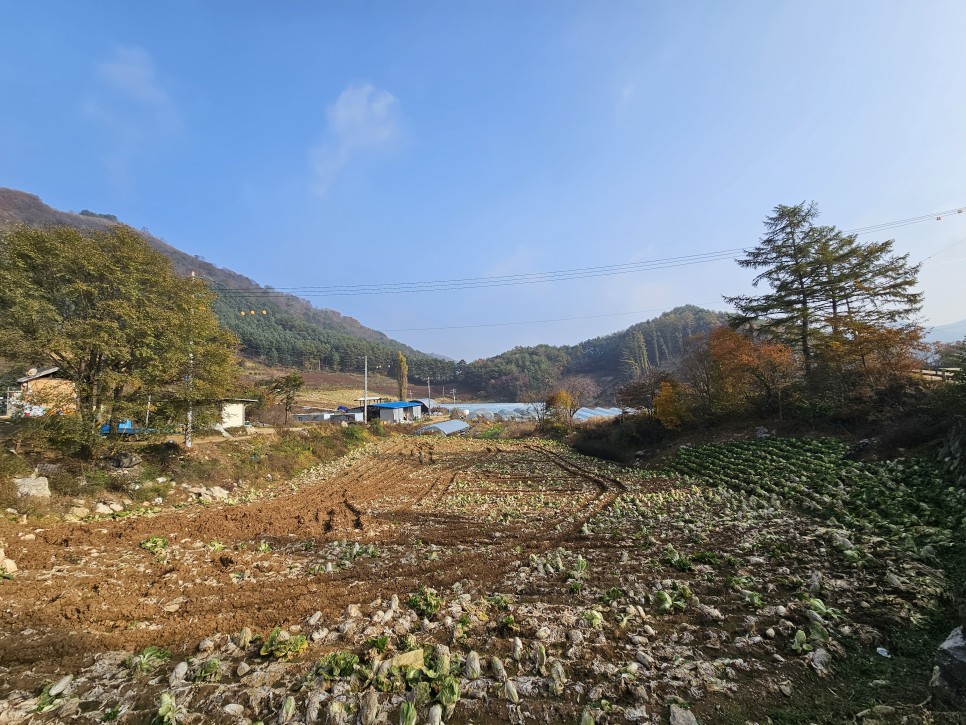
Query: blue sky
[[313, 144]]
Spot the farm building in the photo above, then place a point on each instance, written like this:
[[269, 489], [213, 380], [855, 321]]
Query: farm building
[[313, 415], [427, 404], [40, 392], [233, 412], [329, 416], [398, 412], [446, 428]]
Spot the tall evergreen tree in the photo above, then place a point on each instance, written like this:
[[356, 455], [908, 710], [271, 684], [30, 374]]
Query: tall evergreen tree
[[824, 284]]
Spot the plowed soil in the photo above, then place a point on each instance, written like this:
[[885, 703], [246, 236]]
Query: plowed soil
[[583, 552]]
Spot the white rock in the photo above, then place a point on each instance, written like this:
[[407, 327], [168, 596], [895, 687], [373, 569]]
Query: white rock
[[234, 709], [680, 716], [218, 492], [32, 486], [102, 509]]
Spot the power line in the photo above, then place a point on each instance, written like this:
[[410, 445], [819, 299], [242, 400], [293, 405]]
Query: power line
[[531, 322], [466, 283]]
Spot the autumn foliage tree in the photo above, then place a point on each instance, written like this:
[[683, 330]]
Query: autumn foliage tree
[[847, 308]]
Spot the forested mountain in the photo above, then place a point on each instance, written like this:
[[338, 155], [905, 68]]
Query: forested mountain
[[610, 360], [292, 332]]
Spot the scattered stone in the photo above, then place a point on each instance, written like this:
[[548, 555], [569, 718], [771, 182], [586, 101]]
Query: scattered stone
[[218, 492], [115, 507], [948, 684], [79, 512], [680, 716], [32, 486], [243, 669], [206, 645], [126, 459], [314, 619], [234, 709], [102, 509]]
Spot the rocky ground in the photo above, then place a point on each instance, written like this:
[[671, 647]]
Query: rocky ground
[[460, 581]]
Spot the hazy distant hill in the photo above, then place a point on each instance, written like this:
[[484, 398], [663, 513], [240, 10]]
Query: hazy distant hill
[[293, 332], [953, 332]]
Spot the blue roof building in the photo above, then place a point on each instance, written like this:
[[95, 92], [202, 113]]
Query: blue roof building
[[398, 412]]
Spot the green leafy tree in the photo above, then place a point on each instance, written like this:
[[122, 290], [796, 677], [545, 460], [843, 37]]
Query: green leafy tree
[[402, 376], [108, 310]]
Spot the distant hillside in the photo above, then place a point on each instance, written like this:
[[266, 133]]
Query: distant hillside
[[610, 360], [953, 332], [292, 333]]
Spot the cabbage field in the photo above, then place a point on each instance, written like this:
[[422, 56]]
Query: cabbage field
[[471, 581]]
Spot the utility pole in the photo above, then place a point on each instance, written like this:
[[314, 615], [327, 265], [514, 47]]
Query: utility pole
[[429, 392], [365, 394], [191, 366]]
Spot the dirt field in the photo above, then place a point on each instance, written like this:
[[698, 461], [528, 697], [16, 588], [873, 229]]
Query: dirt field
[[564, 569]]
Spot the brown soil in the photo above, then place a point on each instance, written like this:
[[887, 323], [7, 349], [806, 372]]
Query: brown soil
[[459, 516]]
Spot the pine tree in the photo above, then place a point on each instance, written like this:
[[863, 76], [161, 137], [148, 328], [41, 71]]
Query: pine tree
[[825, 285]]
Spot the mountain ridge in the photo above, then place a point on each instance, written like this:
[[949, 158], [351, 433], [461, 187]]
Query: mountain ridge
[[295, 333]]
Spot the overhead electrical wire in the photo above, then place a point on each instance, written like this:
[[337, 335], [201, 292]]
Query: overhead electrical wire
[[466, 283], [531, 322]]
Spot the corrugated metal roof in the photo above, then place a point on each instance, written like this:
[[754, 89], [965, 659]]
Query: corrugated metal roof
[[428, 402], [396, 404], [446, 427], [35, 376]]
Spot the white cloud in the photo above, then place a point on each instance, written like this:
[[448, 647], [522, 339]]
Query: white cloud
[[363, 118], [131, 72], [131, 106]]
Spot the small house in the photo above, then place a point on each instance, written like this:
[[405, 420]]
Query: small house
[[398, 412], [233, 412], [40, 392]]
